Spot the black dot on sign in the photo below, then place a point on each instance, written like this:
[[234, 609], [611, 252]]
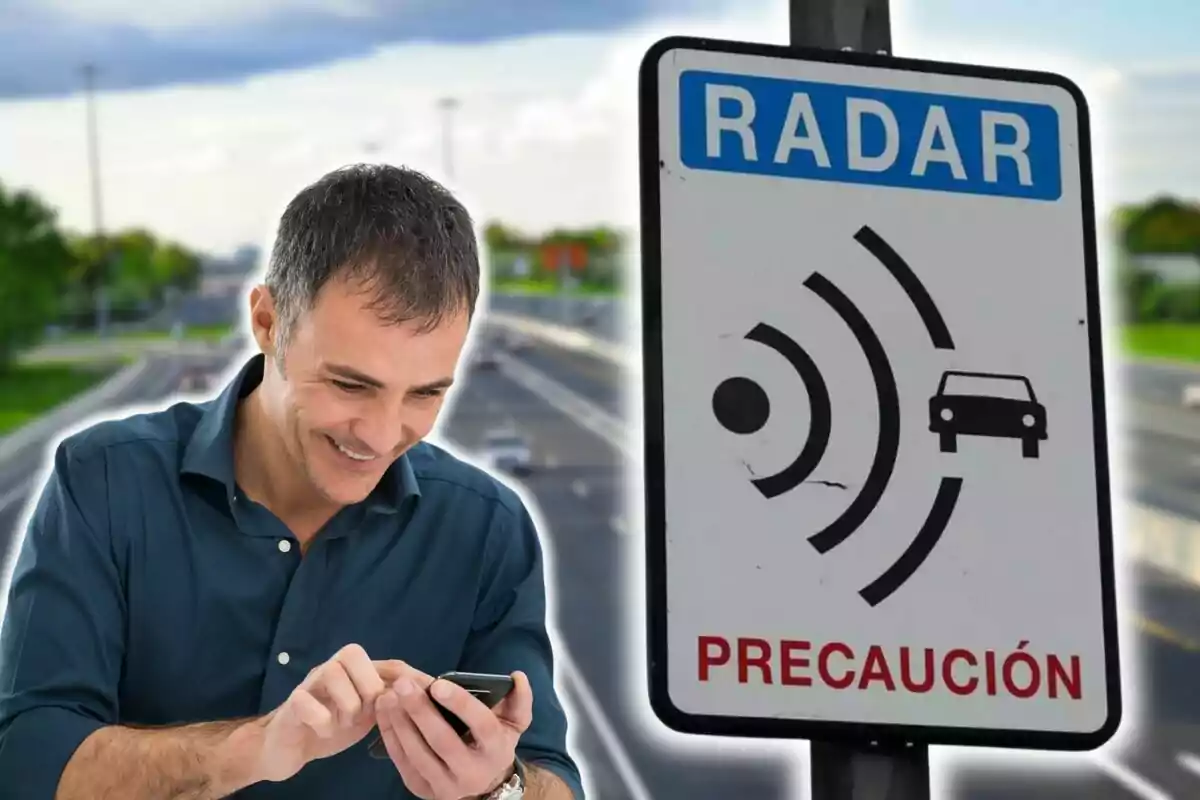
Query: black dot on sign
[[741, 405]]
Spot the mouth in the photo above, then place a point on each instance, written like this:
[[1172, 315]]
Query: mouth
[[349, 457]]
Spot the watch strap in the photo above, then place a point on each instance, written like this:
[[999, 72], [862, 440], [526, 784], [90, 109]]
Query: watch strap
[[513, 787]]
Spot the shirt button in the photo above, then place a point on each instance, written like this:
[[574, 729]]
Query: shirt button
[[284, 658], [284, 545]]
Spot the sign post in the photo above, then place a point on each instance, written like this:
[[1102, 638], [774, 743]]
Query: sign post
[[877, 492]]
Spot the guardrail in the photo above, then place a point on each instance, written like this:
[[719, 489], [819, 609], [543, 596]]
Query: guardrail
[[599, 316], [1160, 539]]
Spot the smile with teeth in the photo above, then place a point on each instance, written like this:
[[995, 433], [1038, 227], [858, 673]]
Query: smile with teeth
[[351, 453]]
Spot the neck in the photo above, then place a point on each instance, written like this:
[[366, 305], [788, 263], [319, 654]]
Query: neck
[[266, 472]]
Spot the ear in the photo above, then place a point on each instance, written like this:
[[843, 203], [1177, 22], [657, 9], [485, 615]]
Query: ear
[[264, 322]]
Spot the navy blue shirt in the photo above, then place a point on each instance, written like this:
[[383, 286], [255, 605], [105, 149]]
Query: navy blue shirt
[[150, 590]]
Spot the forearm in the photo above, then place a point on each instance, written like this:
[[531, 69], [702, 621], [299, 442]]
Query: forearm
[[205, 761], [542, 784]]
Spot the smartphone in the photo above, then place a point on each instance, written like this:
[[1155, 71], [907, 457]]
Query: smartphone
[[487, 688]]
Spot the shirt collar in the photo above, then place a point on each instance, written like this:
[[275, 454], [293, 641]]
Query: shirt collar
[[209, 451]]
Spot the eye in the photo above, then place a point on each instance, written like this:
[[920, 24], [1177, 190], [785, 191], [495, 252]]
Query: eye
[[425, 394], [351, 388]]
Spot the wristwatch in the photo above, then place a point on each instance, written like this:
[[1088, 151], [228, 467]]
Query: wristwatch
[[513, 788]]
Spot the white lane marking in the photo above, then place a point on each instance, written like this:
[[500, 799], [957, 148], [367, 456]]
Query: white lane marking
[[579, 489], [15, 494], [581, 411], [604, 728], [1189, 762], [1133, 782]]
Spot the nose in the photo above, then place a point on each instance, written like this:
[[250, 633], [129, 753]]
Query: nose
[[380, 433]]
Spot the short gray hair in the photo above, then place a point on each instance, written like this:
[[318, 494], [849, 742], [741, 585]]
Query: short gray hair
[[398, 234]]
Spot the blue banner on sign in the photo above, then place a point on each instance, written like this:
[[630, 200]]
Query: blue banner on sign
[[867, 135]]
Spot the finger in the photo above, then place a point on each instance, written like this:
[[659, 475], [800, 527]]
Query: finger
[[393, 670], [387, 705], [417, 752], [362, 673], [312, 713], [335, 683], [437, 733], [516, 709], [485, 728]]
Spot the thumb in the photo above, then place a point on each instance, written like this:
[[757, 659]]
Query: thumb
[[517, 708]]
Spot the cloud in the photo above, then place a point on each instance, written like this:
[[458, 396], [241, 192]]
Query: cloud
[[172, 15], [547, 141], [138, 44]]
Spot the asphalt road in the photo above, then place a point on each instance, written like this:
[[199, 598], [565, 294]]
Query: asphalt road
[[1158, 381], [1161, 760]]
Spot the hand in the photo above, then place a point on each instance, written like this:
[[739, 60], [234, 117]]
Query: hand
[[332, 709], [435, 763]]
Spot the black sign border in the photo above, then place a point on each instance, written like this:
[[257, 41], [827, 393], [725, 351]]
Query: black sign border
[[652, 378]]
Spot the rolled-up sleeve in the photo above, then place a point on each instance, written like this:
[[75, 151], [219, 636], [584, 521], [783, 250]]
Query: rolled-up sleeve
[[61, 642], [510, 635]]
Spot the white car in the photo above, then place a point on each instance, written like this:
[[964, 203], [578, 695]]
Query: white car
[[1191, 395], [507, 451], [194, 380]]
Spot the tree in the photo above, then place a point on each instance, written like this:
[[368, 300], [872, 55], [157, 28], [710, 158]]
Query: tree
[[36, 265], [1165, 225], [500, 238]]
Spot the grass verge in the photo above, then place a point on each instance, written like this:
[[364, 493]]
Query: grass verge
[[1173, 341], [196, 332], [28, 391], [530, 286]]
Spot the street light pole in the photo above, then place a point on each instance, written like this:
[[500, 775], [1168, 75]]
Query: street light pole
[[448, 105], [89, 84], [861, 770]]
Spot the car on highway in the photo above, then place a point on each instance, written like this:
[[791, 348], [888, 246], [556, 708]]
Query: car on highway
[[194, 380], [506, 450], [987, 404], [1191, 395], [485, 358]]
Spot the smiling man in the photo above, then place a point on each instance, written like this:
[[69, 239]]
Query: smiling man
[[229, 597]]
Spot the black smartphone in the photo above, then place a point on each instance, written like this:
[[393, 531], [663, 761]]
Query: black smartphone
[[487, 688]]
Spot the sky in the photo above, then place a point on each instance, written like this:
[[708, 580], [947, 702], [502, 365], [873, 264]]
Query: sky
[[211, 115]]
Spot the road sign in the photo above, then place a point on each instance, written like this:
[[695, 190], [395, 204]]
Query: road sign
[[876, 463]]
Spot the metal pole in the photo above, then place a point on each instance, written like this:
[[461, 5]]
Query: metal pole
[[89, 85], [862, 25], [448, 106], [860, 770]]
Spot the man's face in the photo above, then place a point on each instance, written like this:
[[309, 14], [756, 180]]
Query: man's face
[[355, 392]]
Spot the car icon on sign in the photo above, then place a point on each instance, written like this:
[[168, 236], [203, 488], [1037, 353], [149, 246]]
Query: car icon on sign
[[987, 404]]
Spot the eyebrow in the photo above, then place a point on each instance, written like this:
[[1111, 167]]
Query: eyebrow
[[352, 374]]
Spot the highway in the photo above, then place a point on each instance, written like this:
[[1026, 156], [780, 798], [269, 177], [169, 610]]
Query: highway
[[577, 486]]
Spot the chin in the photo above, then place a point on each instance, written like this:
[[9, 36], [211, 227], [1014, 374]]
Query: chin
[[346, 491], [341, 483]]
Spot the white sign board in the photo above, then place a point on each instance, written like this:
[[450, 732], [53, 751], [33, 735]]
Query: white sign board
[[877, 487]]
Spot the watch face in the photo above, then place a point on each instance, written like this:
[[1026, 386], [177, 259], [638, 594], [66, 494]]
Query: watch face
[[510, 790]]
